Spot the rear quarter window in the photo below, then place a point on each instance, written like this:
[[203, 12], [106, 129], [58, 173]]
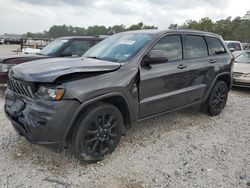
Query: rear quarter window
[[215, 46]]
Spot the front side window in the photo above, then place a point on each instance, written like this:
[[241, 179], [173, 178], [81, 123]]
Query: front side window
[[120, 47], [77, 48], [196, 47], [214, 46], [172, 45]]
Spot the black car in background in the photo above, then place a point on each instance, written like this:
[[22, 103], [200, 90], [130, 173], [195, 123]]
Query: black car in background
[[85, 103], [62, 47]]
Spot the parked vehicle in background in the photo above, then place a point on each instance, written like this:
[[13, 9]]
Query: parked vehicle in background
[[14, 40], [86, 102], [246, 46], [235, 47], [1, 40], [34, 43], [61, 47], [241, 76]]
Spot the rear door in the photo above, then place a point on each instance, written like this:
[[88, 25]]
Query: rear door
[[163, 86], [201, 55]]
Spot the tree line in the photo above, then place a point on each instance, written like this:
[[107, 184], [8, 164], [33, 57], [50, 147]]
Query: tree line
[[64, 30], [230, 29]]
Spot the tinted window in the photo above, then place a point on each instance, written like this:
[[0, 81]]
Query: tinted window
[[77, 47], [196, 47], [214, 46], [171, 45]]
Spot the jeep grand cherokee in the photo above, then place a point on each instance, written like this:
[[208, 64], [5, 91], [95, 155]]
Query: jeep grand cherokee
[[86, 103]]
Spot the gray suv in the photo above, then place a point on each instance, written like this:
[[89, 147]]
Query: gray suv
[[86, 103]]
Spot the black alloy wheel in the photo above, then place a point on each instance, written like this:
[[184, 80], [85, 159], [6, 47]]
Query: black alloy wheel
[[218, 98], [97, 132], [101, 134]]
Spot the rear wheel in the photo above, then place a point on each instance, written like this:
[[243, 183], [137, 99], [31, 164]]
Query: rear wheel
[[97, 132], [218, 98]]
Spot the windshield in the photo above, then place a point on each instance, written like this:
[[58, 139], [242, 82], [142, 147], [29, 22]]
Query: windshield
[[243, 58], [119, 47], [53, 47]]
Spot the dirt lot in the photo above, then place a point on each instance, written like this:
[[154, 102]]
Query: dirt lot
[[182, 149], [8, 49]]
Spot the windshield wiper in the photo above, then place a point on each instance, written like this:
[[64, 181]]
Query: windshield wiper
[[93, 57], [39, 53]]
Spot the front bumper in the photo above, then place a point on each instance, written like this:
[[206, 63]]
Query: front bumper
[[40, 121], [241, 82], [3, 77]]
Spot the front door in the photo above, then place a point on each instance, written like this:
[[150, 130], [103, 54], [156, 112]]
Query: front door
[[164, 86]]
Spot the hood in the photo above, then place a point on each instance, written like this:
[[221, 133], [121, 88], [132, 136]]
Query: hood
[[242, 68], [48, 70], [20, 58]]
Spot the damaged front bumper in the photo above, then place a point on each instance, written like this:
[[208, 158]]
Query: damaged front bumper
[[40, 121]]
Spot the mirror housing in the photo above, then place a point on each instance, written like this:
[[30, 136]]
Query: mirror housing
[[155, 57], [231, 49]]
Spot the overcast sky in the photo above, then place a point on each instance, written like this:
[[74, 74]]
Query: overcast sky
[[20, 16]]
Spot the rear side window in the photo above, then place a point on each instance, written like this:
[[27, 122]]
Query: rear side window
[[215, 47], [172, 45], [196, 46], [234, 45]]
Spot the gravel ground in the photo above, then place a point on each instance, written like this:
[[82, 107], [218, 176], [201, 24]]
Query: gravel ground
[[8, 49], [182, 149]]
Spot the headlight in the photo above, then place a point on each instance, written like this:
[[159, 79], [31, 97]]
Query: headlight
[[51, 93], [5, 67]]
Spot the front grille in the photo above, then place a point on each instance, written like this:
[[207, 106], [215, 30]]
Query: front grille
[[237, 74], [21, 87]]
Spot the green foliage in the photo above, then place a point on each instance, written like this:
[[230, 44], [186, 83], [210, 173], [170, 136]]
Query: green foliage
[[236, 29], [63, 30], [230, 29]]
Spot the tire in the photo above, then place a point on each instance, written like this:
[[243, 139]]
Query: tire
[[218, 98], [97, 132]]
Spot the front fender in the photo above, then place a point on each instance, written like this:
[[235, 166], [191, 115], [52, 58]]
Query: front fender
[[133, 111]]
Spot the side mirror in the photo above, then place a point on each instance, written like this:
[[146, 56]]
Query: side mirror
[[231, 49], [155, 57]]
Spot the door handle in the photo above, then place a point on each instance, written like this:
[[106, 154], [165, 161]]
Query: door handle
[[212, 61], [182, 66]]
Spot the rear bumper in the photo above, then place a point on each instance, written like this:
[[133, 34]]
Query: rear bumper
[[40, 121], [3, 77]]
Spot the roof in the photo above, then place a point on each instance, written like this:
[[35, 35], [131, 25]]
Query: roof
[[83, 37], [231, 41], [162, 31]]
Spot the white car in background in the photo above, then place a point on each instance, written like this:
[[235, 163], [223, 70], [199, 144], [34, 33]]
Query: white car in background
[[235, 47], [241, 71]]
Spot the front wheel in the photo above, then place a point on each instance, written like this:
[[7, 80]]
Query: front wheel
[[97, 132], [218, 98]]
